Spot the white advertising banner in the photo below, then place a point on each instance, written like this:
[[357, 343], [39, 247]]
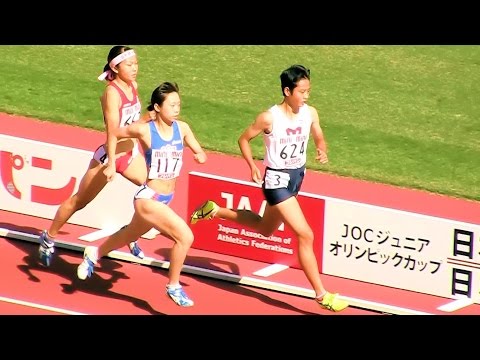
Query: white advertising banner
[[401, 249], [36, 177]]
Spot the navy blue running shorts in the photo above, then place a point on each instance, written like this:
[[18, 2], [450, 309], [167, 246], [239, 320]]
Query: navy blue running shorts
[[279, 185]]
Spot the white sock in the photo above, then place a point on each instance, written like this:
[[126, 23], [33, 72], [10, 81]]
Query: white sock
[[92, 253], [48, 241], [177, 286]]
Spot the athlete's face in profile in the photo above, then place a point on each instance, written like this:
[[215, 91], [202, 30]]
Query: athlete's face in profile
[[170, 109], [301, 93]]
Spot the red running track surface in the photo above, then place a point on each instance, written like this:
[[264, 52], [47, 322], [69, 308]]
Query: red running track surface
[[124, 288], [66, 261]]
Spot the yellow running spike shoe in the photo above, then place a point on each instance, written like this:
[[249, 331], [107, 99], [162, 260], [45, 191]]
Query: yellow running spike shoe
[[205, 212], [332, 302]]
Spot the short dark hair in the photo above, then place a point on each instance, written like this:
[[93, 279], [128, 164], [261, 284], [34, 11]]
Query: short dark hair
[[291, 76]]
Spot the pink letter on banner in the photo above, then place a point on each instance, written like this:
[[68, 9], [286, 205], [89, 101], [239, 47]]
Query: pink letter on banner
[[228, 237]]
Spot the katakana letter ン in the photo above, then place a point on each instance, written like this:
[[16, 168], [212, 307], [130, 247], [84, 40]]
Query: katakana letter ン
[[359, 256], [38, 194]]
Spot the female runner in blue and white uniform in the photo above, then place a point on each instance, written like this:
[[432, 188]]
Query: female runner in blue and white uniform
[[162, 140]]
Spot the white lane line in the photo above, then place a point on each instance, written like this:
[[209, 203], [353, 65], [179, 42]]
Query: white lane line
[[270, 270], [456, 304], [93, 236], [39, 306]]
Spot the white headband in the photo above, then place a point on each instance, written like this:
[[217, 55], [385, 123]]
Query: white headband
[[116, 60]]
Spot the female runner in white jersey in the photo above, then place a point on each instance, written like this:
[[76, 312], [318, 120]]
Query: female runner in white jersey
[[121, 106], [286, 128], [162, 140]]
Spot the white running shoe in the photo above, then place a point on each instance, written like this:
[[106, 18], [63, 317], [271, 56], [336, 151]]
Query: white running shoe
[[90, 256]]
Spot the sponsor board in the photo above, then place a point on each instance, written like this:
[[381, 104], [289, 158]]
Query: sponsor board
[[231, 238], [400, 249]]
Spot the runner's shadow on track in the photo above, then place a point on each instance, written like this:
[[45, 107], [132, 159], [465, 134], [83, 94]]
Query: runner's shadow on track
[[203, 262], [23, 229], [95, 285], [27, 229], [208, 263]]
